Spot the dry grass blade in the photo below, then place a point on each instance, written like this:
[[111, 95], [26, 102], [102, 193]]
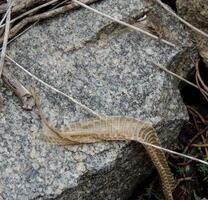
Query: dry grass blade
[[22, 93], [23, 5], [181, 78], [197, 114], [198, 82], [54, 89], [42, 16], [182, 20], [21, 33], [199, 145], [9, 8], [199, 78], [33, 24], [124, 23], [31, 11], [194, 138], [5, 40]]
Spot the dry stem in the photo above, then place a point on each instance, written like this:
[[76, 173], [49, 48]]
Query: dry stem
[[45, 15], [22, 93], [5, 40]]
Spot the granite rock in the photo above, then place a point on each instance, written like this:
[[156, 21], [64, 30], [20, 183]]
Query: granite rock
[[108, 68], [195, 12]]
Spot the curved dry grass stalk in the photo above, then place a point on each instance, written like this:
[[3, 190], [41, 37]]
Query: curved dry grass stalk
[[31, 11], [33, 24], [197, 114], [51, 13], [204, 92], [113, 129], [21, 5], [15, 85], [124, 23], [5, 15], [5, 39], [200, 81], [182, 20], [199, 145]]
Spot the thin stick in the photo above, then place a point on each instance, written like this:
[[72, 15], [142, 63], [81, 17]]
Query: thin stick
[[22, 93], [42, 16], [14, 38], [196, 113], [30, 11], [194, 138], [197, 79], [182, 20], [30, 26], [199, 145], [179, 77], [9, 8], [199, 76], [54, 89], [124, 23], [6, 35], [174, 152]]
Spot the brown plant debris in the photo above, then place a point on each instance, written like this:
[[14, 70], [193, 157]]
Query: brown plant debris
[[22, 93], [33, 15]]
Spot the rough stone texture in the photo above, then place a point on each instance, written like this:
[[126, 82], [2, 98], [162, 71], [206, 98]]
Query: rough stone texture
[[106, 67], [195, 12]]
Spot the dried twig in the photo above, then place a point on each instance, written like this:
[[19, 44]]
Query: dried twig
[[196, 113], [179, 77], [22, 93], [31, 11], [199, 145], [9, 8], [204, 141], [123, 23], [22, 5], [25, 30], [194, 138], [44, 15], [182, 20], [21, 33], [180, 180], [199, 80], [5, 40]]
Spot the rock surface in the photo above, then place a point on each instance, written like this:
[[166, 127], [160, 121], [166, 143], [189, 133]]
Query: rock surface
[[108, 68], [195, 12]]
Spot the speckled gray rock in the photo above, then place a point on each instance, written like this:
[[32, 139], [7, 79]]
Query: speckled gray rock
[[108, 68], [195, 12]]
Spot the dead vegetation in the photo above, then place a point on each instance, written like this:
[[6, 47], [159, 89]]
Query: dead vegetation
[[20, 15]]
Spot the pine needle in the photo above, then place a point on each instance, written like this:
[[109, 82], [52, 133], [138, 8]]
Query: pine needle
[[182, 20], [124, 23]]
